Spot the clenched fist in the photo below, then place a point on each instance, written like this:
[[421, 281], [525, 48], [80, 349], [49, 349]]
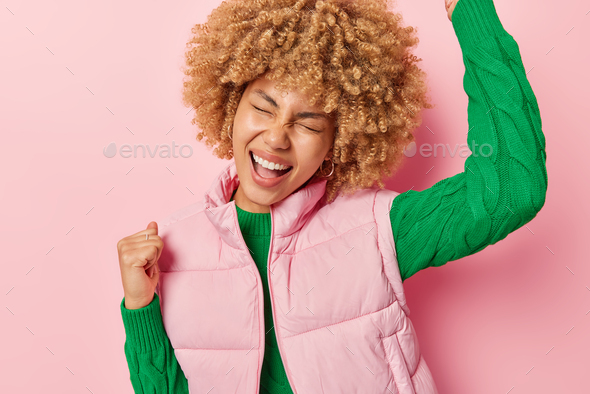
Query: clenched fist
[[138, 260], [450, 6]]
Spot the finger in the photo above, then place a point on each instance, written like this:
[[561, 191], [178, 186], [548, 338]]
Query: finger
[[153, 270], [159, 243], [135, 241], [142, 233], [153, 230], [140, 243], [152, 224], [136, 248], [156, 269], [144, 238], [144, 257]]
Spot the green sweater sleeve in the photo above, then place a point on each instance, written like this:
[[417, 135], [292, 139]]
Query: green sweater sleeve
[[504, 181], [153, 368]]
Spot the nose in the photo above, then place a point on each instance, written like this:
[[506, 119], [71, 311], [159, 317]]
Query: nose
[[277, 137]]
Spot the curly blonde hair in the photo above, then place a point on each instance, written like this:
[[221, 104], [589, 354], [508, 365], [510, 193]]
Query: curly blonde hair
[[351, 57]]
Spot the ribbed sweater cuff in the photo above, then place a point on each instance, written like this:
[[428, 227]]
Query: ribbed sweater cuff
[[144, 327], [475, 20]]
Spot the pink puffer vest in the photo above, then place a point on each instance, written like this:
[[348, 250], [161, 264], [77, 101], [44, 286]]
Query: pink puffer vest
[[338, 302]]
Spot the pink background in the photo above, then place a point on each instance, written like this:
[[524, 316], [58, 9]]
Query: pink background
[[77, 76]]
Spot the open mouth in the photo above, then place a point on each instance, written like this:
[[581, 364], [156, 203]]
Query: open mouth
[[267, 172]]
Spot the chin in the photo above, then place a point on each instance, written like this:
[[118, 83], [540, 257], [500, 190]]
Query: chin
[[264, 197]]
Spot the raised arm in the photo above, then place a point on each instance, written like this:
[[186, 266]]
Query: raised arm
[[496, 193], [153, 368]]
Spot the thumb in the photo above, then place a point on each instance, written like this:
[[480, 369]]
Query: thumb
[[152, 224]]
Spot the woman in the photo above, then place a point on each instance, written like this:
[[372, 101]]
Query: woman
[[288, 275]]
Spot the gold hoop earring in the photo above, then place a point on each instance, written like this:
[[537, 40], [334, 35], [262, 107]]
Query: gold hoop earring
[[331, 172]]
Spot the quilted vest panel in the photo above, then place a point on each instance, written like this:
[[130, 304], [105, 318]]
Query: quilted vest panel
[[340, 314]]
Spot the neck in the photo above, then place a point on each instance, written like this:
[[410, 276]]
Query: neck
[[246, 205]]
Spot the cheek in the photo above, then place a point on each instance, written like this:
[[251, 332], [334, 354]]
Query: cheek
[[243, 130], [311, 149]]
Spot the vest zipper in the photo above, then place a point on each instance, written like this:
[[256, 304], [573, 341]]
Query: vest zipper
[[261, 295], [261, 320], [269, 274]]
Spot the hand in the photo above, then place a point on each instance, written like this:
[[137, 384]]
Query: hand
[[138, 258], [450, 6]]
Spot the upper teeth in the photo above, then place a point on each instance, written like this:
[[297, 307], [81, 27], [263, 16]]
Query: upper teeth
[[269, 165]]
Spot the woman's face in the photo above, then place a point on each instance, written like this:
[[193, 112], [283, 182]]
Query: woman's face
[[283, 129]]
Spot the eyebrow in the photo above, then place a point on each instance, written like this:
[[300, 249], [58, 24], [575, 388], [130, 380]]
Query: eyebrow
[[265, 96], [299, 115]]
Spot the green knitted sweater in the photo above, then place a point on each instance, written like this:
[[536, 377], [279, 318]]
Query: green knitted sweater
[[456, 217]]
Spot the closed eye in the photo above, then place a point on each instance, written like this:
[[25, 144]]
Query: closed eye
[[261, 110], [317, 131], [308, 128]]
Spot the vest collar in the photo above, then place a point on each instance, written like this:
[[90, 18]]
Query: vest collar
[[287, 215]]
